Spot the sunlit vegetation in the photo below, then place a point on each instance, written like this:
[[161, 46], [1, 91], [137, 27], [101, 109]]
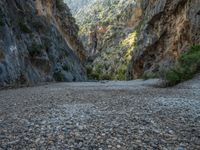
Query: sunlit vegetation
[[113, 62], [116, 41], [130, 43]]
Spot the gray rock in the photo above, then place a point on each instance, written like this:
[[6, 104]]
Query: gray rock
[[33, 43]]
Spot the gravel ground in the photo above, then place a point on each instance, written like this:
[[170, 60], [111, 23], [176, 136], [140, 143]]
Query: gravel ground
[[114, 115]]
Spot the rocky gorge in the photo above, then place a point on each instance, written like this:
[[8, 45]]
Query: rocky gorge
[[85, 47], [112, 40], [135, 38], [108, 35]]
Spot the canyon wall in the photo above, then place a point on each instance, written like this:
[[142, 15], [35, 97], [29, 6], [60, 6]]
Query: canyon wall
[[77, 5], [39, 42], [146, 35], [108, 34], [167, 29]]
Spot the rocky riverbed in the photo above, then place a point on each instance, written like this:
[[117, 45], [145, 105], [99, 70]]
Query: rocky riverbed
[[113, 115]]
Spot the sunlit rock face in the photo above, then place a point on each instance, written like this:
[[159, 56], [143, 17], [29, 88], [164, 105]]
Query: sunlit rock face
[[167, 29], [38, 42], [77, 5], [107, 30], [149, 35]]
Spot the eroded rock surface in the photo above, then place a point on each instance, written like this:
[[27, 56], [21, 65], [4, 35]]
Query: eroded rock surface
[[38, 42], [168, 28]]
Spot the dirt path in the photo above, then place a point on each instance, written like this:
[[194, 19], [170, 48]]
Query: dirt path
[[101, 116]]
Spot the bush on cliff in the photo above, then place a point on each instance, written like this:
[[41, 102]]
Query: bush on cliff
[[187, 66], [35, 49]]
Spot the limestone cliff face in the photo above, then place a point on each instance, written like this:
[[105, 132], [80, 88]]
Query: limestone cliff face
[[167, 29], [77, 5], [38, 42], [107, 32]]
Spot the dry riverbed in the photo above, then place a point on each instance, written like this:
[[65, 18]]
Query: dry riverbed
[[114, 115]]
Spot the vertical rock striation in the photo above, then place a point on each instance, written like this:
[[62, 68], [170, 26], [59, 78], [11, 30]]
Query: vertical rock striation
[[167, 29], [38, 42]]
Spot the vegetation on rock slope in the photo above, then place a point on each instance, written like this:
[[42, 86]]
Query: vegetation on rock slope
[[186, 67], [139, 33], [111, 63], [108, 33]]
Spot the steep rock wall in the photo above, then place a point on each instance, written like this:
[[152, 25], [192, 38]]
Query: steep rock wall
[[38, 42], [167, 29], [107, 32], [77, 5]]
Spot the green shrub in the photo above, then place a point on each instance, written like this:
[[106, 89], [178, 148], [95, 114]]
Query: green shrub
[[173, 76], [38, 25], [60, 4], [2, 56], [147, 76], [35, 50], [24, 28], [47, 42], [121, 73], [66, 67], [1, 18], [98, 68], [187, 66], [89, 70], [1, 22], [105, 77], [94, 76], [59, 76], [191, 58]]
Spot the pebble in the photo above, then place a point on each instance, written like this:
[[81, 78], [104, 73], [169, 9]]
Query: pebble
[[119, 117]]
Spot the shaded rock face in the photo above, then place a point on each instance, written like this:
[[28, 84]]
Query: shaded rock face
[[167, 29], [38, 42]]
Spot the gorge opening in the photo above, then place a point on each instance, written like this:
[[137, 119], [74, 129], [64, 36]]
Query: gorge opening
[[107, 29]]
